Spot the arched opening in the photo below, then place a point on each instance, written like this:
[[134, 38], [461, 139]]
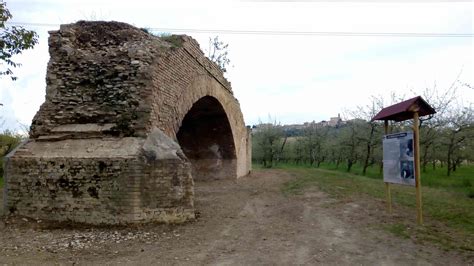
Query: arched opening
[[206, 139]]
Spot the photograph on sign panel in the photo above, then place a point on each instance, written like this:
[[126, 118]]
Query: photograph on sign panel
[[407, 170], [398, 154], [406, 149]]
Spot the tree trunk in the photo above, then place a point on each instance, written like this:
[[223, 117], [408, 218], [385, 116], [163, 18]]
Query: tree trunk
[[425, 156], [450, 152], [349, 165], [369, 150], [280, 152], [449, 164]]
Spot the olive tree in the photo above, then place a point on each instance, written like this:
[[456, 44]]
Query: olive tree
[[268, 144]]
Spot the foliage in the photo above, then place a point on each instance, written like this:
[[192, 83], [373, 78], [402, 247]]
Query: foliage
[[268, 144], [398, 229], [460, 182], [8, 142], [175, 40], [446, 141], [13, 40], [218, 52], [457, 132]]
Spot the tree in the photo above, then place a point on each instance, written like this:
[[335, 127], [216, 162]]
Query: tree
[[430, 126], [315, 136], [369, 132], [458, 131], [13, 40], [218, 53], [350, 141], [8, 142], [297, 149], [268, 144]]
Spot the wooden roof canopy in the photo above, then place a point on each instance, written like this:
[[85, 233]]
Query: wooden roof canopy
[[404, 110]]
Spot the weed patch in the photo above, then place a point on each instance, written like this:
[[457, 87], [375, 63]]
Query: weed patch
[[399, 230]]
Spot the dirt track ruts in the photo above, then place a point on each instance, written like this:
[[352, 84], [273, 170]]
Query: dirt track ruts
[[242, 222]]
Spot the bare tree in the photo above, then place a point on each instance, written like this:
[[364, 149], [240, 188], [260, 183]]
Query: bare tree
[[218, 52], [458, 130], [350, 141], [369, 132]]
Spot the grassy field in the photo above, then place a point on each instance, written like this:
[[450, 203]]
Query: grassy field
[[461, 181], [449, 214]]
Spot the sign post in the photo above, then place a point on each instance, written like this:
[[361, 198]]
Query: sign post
[[416, 131], [387, 184], [401, 155]]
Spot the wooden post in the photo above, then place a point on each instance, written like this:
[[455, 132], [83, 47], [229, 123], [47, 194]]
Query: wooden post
[[387, 185], [416, 133]]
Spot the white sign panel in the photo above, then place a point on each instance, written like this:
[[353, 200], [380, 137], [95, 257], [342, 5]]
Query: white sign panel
[[398, 158]]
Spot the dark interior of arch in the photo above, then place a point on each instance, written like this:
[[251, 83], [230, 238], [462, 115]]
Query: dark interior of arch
[[206, 139]]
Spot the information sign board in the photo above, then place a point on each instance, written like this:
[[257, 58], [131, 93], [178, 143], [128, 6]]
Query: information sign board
[[398, 158]]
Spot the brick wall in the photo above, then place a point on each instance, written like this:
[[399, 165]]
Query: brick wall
[[116, 185], [103, 146]]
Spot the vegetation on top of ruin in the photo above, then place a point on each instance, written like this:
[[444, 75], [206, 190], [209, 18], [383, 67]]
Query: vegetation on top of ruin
[[218, 53], [174, 40]]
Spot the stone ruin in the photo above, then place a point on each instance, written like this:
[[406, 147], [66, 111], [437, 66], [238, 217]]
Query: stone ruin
[[129, 122]]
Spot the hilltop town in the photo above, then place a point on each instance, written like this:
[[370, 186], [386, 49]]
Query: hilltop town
[[296, 129]]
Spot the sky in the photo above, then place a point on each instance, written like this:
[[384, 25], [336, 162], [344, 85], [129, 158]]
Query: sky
[[294, 76]]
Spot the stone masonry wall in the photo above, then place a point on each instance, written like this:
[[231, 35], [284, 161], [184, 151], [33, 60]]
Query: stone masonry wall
[[98, 73], [117, 185], [103, 147]]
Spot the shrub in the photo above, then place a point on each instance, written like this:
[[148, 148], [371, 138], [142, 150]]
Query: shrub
[[8, 142]]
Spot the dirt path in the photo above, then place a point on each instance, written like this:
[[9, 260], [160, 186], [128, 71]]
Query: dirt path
[[242, 222]]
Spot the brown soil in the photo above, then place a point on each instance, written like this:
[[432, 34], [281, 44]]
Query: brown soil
[[242, 222]]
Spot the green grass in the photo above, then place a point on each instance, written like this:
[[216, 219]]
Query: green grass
[[1, 181], [175, 40], [443, 206], [398, 229], [461, 181]]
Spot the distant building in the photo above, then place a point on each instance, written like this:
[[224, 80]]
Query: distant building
[[335, 121], [296, 129]]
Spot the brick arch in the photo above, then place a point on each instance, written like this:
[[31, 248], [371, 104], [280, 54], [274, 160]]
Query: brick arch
[[205, 86], [207, 140]]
